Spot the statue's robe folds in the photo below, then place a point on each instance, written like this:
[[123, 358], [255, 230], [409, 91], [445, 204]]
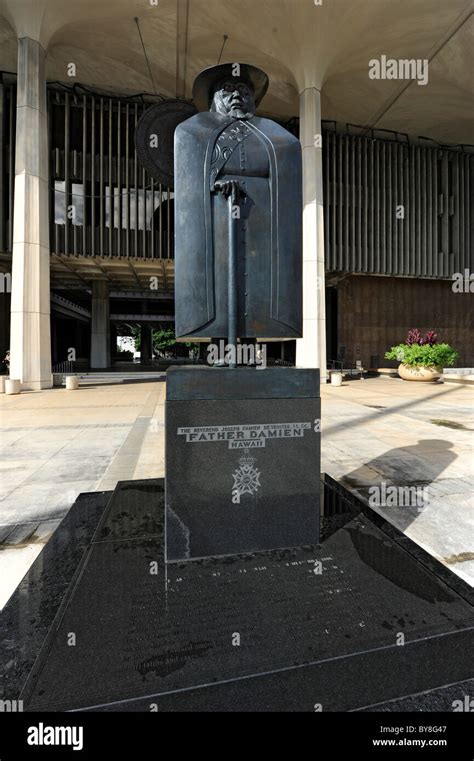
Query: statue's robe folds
[[266, 161]]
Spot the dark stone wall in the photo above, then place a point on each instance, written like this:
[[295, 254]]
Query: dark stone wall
[[374, 313]]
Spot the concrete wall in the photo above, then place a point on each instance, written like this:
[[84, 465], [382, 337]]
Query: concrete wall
[[374, 313]]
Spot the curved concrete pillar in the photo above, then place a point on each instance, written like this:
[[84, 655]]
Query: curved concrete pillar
[[30, 342], [28, 19], [311, 349]]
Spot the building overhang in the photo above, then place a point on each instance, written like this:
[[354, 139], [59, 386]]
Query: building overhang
[[122, 273], [300, 43]]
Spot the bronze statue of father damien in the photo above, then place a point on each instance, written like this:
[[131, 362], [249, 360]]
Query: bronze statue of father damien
[[238, 214]]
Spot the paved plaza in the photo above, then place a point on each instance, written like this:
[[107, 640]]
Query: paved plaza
[[377, 432], [385, 431]]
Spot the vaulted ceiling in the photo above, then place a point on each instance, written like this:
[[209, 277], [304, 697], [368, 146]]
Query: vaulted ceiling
[[321, 43]]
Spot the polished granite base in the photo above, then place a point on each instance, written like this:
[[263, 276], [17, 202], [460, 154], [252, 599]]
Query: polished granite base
[[360, 622], [242, 460]]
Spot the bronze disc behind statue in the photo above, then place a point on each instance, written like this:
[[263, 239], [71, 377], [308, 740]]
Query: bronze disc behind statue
[[154, 138]]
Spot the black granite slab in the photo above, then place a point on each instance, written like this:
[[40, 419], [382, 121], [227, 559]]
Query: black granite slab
[[135, 511], [337, 684], [242, 460], [340, 504], [149, 632], [452, 698], [27, 617]]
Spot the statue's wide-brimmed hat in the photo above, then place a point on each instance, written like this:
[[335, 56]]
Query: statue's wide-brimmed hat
[[206, 81]]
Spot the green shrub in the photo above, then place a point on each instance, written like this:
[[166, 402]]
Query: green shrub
[[425, 355], [164, 340]]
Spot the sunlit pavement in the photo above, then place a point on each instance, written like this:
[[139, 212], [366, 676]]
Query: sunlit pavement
[[384, 432], [56, 444], [376, 433]]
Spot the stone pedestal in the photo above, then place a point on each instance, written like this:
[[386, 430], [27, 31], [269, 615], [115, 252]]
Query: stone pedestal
[[242, 460]]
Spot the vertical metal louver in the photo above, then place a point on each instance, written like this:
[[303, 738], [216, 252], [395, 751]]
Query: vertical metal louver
[[7, 163], [103, 203], [396, 209]]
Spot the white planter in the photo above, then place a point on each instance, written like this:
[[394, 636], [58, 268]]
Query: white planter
[[336, 379], [3, 379], [12, 386], [72, 382], [423, 374]]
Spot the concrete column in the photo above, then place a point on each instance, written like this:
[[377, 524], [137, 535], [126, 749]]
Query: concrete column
[[30, 341], [100, 325], [311, 349], [113, 340], [146, 338]]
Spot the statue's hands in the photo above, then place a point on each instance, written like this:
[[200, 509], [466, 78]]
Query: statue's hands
[[229, 189]]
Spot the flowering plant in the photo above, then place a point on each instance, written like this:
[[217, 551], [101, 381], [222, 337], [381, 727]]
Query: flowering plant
[[423, 351], [414, 337]]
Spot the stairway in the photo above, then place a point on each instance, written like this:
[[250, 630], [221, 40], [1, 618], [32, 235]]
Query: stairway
[[107, 378]]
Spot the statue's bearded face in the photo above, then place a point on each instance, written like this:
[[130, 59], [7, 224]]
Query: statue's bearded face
[[234, 98]]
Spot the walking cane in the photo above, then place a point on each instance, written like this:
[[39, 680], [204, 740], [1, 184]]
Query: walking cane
[[232, 200]]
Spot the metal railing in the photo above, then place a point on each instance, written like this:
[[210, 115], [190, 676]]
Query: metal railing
[[64, 367]]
